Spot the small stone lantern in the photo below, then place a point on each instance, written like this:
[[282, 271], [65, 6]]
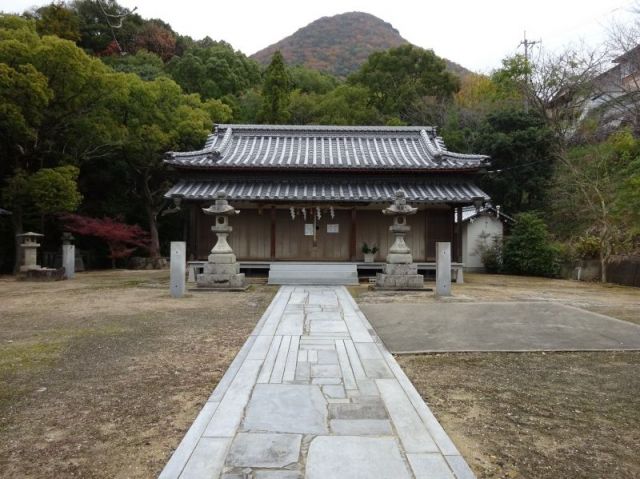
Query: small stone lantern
[[399, 272], [221, 271], [29, 247]]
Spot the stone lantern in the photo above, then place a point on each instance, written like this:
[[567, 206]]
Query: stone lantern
[[222, 270], [399, 271], [29, 247]]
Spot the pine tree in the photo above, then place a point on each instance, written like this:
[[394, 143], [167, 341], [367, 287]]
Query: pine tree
[[276, 91]]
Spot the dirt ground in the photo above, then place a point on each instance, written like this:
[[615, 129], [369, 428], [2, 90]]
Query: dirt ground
[[101, 376], [535, 415]]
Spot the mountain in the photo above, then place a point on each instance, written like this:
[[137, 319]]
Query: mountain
[[340, 44]]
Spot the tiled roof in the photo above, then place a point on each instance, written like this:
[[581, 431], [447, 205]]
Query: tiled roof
[[444, 191], [325, 147], [470, 212]]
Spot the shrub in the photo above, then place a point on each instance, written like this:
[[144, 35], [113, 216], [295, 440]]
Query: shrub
[[490, 250], [529, 250]]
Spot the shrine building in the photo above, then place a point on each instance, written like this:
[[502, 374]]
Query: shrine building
[[315, 193]]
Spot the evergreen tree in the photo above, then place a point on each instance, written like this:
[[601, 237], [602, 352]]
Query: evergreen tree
[[276, 91]]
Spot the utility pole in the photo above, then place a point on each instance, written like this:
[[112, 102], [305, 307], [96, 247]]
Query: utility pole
[[527, 44]]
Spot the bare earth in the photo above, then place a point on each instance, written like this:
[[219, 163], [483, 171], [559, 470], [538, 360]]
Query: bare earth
[[535, 415], [101, 376]]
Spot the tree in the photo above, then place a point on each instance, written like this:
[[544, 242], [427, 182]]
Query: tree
[[592, 195], [276, 91], [146, 65], [307, 80], [105, 22], [348, 105], [399, 80], [122, 239], [157, 117], [55, 109], [529, 249], [522, 160], [214, 70], [157, 38], [57, 19]]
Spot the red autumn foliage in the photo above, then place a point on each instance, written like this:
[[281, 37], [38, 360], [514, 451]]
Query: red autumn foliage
[[157, 39], [122, 239]]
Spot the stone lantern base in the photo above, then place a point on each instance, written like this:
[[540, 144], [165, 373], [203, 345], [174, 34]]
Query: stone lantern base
[[399, 276], [221, 275]]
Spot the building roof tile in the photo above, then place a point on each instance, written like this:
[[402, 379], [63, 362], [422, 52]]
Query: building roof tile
[[325, 147]]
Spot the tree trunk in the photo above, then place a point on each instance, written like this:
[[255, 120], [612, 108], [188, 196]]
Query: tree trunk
[[18, 228], [603, 267], [154, 247]]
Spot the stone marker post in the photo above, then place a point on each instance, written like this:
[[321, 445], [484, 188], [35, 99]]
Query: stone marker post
[[68, 256], [443, 269], [178, 268]]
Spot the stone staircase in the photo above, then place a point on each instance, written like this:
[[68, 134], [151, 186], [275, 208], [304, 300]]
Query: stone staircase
[[313, 273]]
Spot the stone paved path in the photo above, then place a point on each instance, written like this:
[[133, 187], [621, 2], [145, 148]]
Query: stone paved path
[[313, 393]]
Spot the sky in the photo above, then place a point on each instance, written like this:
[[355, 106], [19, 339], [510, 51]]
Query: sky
[[476, 34]]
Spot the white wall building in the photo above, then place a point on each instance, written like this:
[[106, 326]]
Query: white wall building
[[480, 227]]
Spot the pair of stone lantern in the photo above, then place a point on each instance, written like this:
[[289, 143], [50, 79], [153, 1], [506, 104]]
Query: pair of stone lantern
[[221, 271], [399, 272]]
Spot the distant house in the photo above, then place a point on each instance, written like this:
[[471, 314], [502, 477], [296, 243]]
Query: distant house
[[481, 227], [315, 193], [615, 92]]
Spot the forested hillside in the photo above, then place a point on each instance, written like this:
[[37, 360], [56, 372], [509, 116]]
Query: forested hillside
[[92, 98], [339, 44]]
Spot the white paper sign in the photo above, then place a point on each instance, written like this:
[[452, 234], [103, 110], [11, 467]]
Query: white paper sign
[[333, 228], [308, 229]]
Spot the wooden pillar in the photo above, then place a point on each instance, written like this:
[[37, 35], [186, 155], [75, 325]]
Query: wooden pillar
[[192, 231], [453, 236], [273, 233], [459, 235], [352, 236]]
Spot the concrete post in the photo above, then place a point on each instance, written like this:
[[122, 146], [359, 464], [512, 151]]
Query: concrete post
[[69, 260], [178, 268], [443, 269]]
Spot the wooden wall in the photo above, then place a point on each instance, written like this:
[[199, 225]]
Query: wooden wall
[[292, 244], [251, 237]]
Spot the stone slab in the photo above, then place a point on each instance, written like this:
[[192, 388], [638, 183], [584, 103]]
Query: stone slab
[[370, 409], [207, 459], [328, 327], [361, 427], [264, 450], [512, 326], [413, 433], [271, 409], [277, 475], [430, 466], [355, 458]]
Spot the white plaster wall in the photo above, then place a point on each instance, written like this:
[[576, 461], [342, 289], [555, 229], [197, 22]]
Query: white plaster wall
[[472, 232]]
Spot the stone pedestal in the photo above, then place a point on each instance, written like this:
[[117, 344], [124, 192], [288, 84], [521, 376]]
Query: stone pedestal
[[221, 271], [399, 272], [443, 269], [178, 268]]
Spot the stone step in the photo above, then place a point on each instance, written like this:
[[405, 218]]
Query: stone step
[[313, 274]]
